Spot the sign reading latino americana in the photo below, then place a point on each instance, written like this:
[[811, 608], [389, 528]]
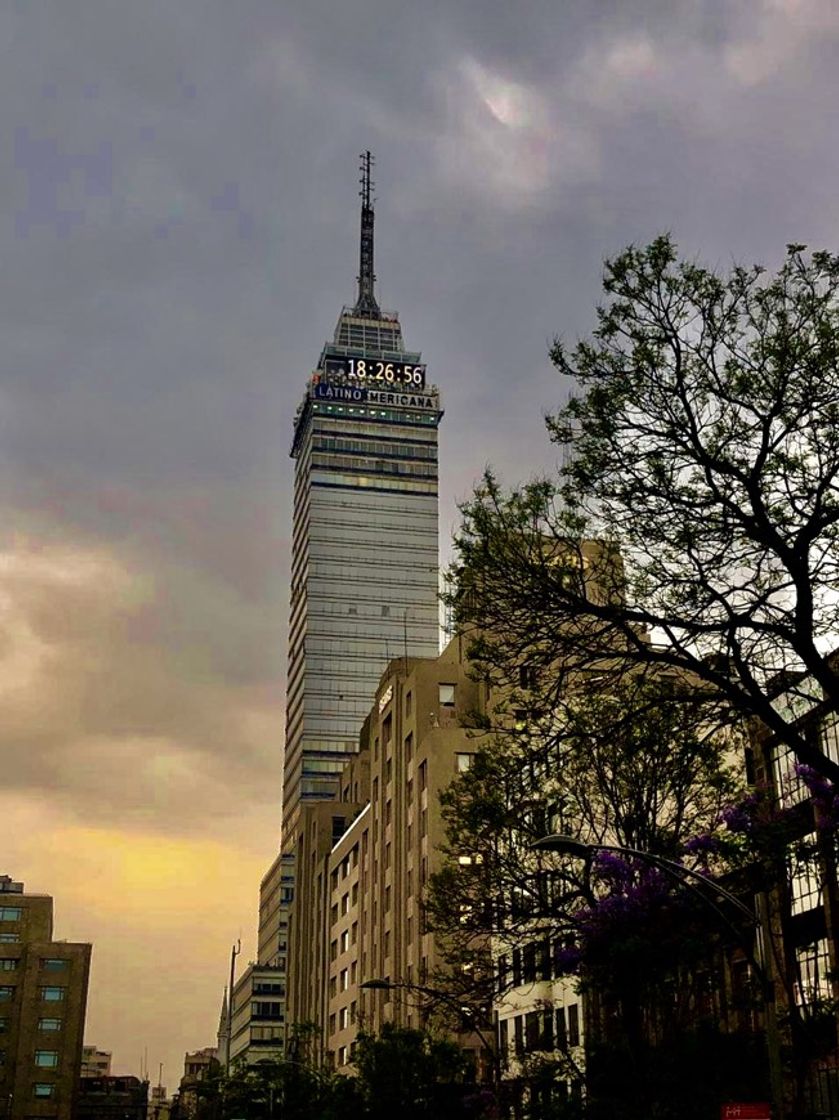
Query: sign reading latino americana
[[323, 391]]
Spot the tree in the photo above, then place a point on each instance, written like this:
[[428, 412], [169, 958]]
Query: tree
[[695, 524], [627, 767], [413, 1075]]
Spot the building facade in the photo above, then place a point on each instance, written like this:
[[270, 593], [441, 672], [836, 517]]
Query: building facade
[[95, 1063], [365, 557], [43, 998], [112, 1098], [364, 891]]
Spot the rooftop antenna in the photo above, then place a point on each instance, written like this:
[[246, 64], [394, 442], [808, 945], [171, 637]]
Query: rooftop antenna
[[366, 305]]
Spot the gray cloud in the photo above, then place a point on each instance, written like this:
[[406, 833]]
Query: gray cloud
[[180, 234]]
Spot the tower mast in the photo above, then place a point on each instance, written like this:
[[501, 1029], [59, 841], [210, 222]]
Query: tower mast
[[366, 305]]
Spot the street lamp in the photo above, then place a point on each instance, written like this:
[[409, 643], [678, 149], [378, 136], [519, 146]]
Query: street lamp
[[571, 846]]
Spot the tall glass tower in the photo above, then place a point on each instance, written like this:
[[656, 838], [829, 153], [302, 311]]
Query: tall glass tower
[[364, 578]]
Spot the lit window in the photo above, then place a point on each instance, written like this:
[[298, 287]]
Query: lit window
[[10, 913], [814, 969], [8, 964], [9, 938], [463, 762], [52, 995], [49, 1024], [46, 1059], [42, 1089]]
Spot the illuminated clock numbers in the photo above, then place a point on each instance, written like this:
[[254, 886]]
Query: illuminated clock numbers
[[386, 373]]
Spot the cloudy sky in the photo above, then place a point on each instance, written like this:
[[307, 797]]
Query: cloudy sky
[[178, 236]]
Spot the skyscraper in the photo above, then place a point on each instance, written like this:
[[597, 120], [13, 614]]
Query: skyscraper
[[365, 561], [364, 578]]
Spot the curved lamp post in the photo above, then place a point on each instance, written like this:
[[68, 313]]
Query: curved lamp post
[[689, 877]]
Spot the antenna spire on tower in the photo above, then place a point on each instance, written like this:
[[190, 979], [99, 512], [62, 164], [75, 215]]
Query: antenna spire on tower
[[366, 304]]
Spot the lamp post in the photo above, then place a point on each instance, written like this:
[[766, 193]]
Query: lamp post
[[689, 877], [381, 985]]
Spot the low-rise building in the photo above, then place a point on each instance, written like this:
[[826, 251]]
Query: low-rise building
[[258, 1014], [112, 1098], [95, 1063], [43, 998]]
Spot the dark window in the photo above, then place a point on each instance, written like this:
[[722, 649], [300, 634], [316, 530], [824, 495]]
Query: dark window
[[561, 1037], [531, 1031], [530, 963], [516, 967], [518, 1031], [544, 960], [574, 1025]]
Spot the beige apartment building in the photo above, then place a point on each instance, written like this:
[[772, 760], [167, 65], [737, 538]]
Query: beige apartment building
[[43, 998], [357, 913], [95, 1063]]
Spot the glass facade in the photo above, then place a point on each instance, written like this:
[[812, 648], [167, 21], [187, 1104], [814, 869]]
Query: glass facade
[[365, 558]]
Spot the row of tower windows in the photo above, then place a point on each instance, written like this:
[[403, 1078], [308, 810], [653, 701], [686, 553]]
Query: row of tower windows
[[377, 466], [383, 450]]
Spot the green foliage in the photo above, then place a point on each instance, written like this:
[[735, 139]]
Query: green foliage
[[399, 1073], [410, 1074], [703, 458], [622, 767]]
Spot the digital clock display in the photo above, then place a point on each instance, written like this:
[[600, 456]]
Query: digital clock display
[[373, 372]]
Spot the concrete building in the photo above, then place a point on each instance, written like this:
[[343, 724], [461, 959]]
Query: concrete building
[[198, 1066], [112, 1098], [362, 918], [258, 1014], [95, 1063], [43, 998]]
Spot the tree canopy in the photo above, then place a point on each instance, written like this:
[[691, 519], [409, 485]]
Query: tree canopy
[[694, 525]]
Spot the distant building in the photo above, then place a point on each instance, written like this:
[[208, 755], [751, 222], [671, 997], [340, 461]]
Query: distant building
[[159, 1104], [258, 1019], [112, 1098], [43, 998], [95, 1063], [198, 1067]]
